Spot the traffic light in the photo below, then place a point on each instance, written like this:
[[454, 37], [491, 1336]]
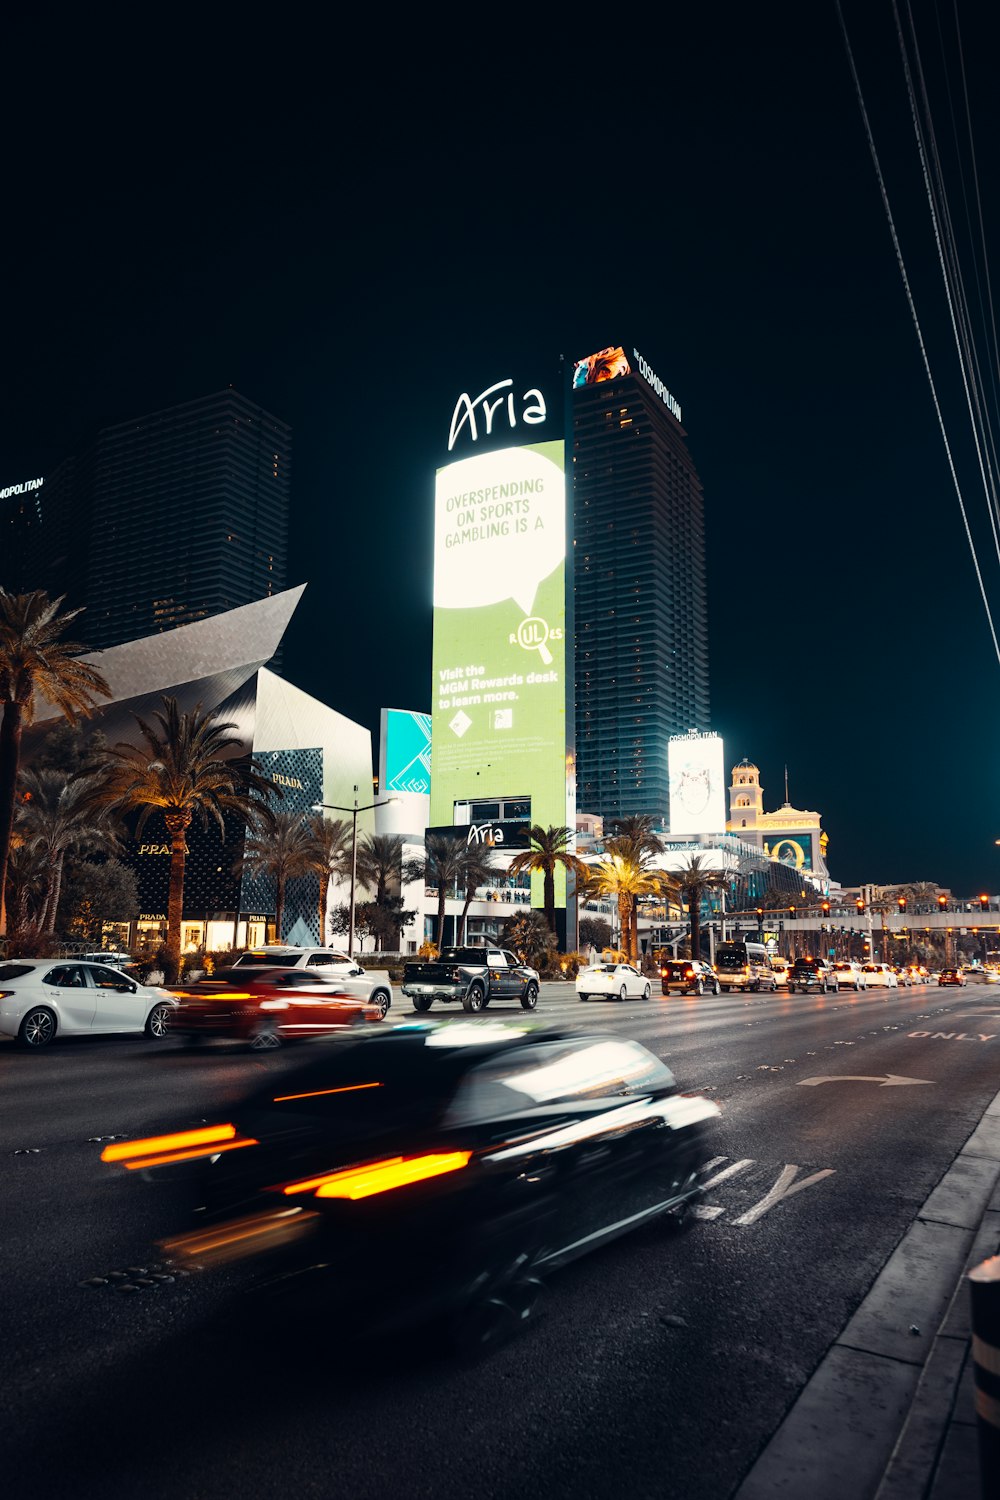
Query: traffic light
[[860, 904], [901, 903], [984, 903], [942, 903], [824, 907]]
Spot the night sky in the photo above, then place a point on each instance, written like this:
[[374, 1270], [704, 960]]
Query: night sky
[[349, 229]]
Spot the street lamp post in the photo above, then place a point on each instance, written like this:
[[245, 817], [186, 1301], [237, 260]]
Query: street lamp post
[[335, 807]]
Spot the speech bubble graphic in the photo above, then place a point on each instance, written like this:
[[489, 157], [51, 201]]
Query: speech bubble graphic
[[499, 527]]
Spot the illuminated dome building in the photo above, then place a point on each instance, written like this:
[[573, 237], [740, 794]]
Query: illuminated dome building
[[790, 835]]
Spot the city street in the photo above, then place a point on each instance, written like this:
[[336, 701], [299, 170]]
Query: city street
[[661, 1365]]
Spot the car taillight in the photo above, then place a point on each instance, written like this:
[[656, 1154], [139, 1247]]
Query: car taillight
[[688, 973], [380, 1176], [746, 968], [185, 1145]]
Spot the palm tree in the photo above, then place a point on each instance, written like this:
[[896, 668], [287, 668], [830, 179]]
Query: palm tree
[[35, 664], [550, 850], [624, 878], [442, 866], [282, 851], [54, 816], [634, 838], [694, 881], [182, 769], [331, 857], [477, 867], [380, 865]]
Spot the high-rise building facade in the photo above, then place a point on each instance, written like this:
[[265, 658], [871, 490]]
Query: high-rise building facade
[[639, 603], [166, 519]]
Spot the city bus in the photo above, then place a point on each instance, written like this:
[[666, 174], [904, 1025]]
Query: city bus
[[744, 966]]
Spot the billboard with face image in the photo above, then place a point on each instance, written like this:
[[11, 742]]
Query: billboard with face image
[[697, 783]]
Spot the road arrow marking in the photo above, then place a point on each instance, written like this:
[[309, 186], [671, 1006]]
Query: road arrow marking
[[891, 1080]]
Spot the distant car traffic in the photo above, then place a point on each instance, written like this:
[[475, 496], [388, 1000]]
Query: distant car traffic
[[879, 976], [951, 976], [267, 1007], [780, 968], [849, 975], [489, 1153], [744, 965], [611, 982], [811, 974], [41, 999], [688, 976]]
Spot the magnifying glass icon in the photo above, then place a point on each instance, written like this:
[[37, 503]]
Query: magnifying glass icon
[[532, 634]]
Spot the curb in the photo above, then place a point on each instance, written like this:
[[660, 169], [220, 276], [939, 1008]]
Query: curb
[[873, 1419]]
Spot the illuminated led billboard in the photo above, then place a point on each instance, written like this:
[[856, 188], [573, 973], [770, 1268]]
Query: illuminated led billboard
[[406, 752], [793, 849], [499, 662], [606, 364], [697, 783]]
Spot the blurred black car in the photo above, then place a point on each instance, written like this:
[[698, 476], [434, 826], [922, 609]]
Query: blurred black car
[[484, 1154]]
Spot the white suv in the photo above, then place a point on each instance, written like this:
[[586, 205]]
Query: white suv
[[277, 956], [850, 976]]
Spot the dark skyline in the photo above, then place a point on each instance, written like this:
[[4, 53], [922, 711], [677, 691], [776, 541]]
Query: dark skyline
[[347, 246]]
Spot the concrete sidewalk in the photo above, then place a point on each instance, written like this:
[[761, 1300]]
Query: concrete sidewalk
[[888, 1414]]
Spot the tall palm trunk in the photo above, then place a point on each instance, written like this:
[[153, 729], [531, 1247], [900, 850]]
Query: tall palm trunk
[[54, 892], [279, 907], [549, 898], [178, 824], [10, 755], [694, 907], [442, 892], [633, 933], [324, 893], [624, 919], [470, 891]]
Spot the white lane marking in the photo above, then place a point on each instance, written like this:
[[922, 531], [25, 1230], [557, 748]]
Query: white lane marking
[[955, 1036], [785, 1187], [890, 1080], [738, 1166]]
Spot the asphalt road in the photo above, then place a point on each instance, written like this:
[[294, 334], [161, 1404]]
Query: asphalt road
[[661, 1366]]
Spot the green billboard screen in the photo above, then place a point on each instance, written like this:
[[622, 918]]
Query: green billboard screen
[[499, 661]]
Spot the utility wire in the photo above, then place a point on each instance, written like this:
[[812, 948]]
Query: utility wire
[[916, 323], [951, 270]]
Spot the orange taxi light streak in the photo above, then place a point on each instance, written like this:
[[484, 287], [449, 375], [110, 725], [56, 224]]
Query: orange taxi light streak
[[158, 1143], [350, 1088], [171, 1156], [380, 1176]]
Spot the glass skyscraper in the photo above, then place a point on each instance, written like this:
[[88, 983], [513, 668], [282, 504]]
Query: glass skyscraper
[[163, 520], [639, 596]]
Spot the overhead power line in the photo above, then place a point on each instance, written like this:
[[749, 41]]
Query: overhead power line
[[873, 151]]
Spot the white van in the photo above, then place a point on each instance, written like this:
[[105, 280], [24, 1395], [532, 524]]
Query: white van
[[744, 966]]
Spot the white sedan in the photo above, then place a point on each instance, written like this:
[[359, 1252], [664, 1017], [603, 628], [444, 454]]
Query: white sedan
[[42, 998], [611, 982]]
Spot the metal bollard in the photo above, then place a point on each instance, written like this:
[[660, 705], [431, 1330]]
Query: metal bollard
[[984, 1285]]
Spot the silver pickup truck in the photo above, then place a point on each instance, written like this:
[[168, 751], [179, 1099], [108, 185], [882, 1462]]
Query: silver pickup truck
[[474, 976]]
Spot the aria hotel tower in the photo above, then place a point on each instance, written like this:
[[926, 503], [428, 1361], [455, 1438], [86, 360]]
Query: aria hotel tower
[[639, 598]]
